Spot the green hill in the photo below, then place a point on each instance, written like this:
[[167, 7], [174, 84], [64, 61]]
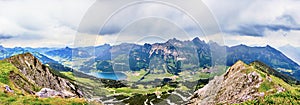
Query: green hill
[[266, 69], [248, 84], [16, 88]]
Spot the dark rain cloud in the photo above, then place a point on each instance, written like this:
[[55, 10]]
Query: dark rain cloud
[[259, 30], [110, 30], [282, 23], [5, 37]]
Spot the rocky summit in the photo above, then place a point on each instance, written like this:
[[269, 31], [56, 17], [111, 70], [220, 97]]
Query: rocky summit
[[240, 83], [33, 76]]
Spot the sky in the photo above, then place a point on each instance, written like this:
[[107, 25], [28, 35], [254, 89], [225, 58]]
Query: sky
[[57, 23]]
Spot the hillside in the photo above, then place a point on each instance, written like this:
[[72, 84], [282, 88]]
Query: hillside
[[266, 69], [25, 75], [243, 83], [267, 55], [23, 78]]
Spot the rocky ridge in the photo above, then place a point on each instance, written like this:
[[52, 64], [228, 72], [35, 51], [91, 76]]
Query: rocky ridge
[[34, 75], [240, 83]]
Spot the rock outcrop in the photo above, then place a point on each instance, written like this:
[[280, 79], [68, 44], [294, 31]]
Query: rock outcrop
[[239, 84], [8, 89], [143, 57], [34, 75], [46, 92]]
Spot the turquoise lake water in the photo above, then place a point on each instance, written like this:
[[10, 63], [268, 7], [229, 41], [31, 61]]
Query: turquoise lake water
[[109, 75]]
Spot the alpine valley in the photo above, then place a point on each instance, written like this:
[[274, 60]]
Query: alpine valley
[[173, 72]]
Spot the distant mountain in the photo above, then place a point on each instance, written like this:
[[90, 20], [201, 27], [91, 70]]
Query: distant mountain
[[197, 53], [8, 52], [244, 83], [67, 53], [267, 55], [291, 51], [171, 56], [63, 53], [268, 70]]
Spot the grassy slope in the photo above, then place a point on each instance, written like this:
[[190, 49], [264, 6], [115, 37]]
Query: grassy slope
[[19, 97], [290, 96], [126, 91]]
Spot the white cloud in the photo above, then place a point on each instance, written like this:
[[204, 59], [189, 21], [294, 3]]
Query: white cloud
[[40, 23], [235, 13], [260, 16], [54, 22], [272, 38]]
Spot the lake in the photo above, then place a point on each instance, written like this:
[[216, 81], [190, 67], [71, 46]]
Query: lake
[[109, 75]]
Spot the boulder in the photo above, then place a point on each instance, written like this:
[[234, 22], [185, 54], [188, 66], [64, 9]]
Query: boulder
[[46, 92]]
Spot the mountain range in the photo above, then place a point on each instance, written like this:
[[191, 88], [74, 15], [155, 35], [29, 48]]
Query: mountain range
[[25, 80], [174, 54]]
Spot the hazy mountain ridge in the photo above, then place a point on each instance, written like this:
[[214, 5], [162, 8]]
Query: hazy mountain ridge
[[292, 52], [268, 55], [185, 55], [191, 54], [268, 70], [37, 52]]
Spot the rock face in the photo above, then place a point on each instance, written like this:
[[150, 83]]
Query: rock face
[[46, 92], [142, 57], [35, 75], [240, 83]]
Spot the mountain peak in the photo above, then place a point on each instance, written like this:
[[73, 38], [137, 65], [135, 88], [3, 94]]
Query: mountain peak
[[240, 45], [240, 83], [239, 62], [25, 57], [1, 47], [268, 46], [238, 65], [196, 39], [67, 47], [40, 75], [173, 40]]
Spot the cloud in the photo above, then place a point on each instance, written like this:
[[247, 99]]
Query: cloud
[[282, 38], [142, 12], [259, 30], [258, 23], [55, 22], [149, 19], [5, 37], [45, 23], [255, 17], [30, 21]]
